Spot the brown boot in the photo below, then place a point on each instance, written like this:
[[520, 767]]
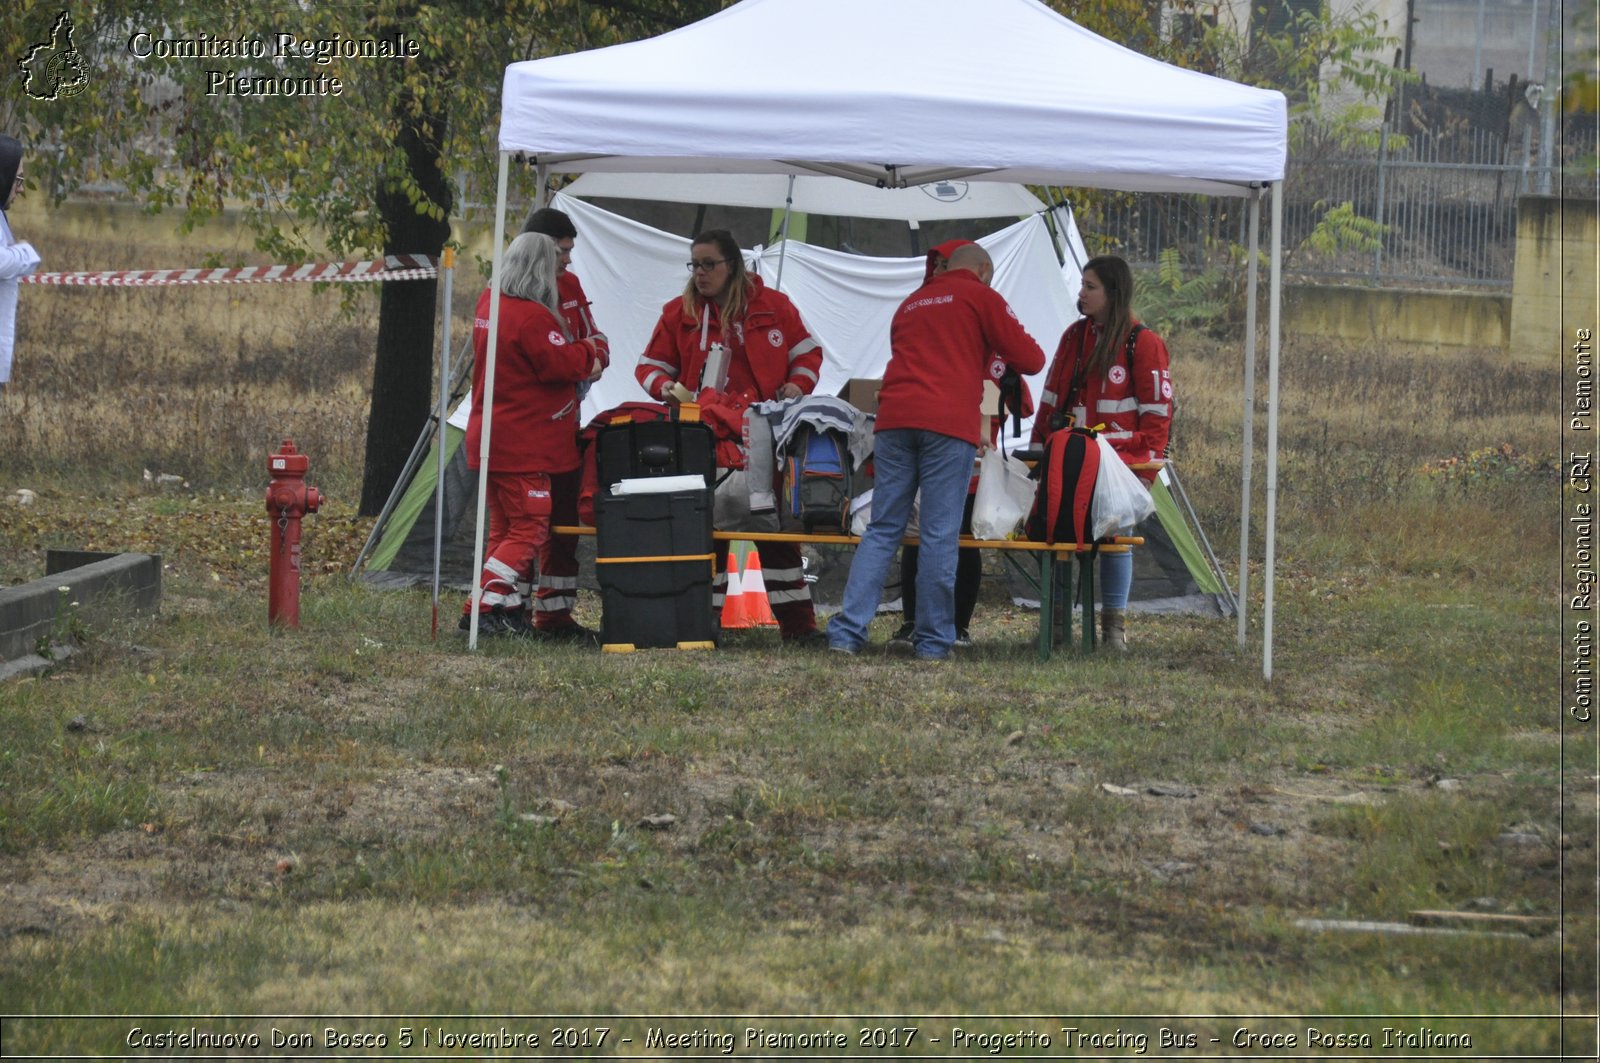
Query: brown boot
[[1111, 630]]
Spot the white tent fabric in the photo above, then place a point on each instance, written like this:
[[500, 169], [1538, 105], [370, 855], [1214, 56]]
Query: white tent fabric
[[901, 92], [940, 201], [629, 270]]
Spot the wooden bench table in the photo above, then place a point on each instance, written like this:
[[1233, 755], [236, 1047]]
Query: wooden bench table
[[1053, 577]]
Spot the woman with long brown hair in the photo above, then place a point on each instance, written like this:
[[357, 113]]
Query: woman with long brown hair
[[1111, 373], [732, 335]]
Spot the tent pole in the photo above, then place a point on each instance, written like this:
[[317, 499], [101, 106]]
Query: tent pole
[[541, 194], [499, 253], [1253, 271], [449, 263], [1274, 306], [783, 232], [1064, 248]]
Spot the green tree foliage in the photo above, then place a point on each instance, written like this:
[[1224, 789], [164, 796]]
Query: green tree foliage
[[347, 156]]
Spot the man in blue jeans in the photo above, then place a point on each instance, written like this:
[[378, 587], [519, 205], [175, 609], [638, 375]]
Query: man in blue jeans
[[941, 342]]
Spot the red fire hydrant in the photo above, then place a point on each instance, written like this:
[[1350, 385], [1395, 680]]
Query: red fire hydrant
[[288, 499]]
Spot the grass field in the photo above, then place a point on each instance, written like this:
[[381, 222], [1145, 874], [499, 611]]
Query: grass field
[[198, 817]]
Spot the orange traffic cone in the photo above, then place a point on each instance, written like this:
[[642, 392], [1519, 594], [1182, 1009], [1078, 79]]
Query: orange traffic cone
[[733, 604], [753, 592]]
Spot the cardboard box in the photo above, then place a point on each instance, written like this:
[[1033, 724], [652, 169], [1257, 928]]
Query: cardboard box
[[986, 407], [862, 394]]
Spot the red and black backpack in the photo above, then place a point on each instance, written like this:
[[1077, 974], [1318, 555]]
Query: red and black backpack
[[1066, 475]]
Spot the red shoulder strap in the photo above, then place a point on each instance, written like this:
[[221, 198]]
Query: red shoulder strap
[[1088, 473], [1056, 452]]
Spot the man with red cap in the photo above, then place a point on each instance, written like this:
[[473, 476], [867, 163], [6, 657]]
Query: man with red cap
[[939, 258], [969, 563], [942, 341]]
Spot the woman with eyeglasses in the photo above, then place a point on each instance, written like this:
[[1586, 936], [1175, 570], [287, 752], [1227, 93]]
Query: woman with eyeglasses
[[746, 342]]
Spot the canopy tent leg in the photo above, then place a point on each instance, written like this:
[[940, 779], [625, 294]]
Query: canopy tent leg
[[1274, 307], [449, 264], [783, 233], [481, 527], [1249, 428]]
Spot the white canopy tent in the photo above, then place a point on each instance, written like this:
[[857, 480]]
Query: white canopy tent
[[894, 93]]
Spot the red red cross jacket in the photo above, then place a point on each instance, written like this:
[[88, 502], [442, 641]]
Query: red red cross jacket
[[1134, 405], [575, 306], [537, 370], [944, 342], [771, 347]]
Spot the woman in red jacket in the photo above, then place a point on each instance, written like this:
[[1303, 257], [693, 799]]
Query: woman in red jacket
[[534, 432], [1111, 373], [730, 333]]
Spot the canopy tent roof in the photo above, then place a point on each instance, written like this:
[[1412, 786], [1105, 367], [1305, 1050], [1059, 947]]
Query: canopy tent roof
[[896, 93], [940, 201]]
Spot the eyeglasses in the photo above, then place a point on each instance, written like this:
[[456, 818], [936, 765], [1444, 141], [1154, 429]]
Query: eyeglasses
[[705, 265]]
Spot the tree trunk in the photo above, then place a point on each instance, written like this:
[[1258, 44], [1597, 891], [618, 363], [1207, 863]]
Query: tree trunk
[[402, 371]]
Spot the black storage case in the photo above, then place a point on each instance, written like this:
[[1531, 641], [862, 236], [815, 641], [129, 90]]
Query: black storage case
[[654, 448], [652, 604], [672, 524], [664, 597]]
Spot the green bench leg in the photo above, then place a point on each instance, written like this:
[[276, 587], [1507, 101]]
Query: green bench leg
[[1047, 620], [1086, 598]]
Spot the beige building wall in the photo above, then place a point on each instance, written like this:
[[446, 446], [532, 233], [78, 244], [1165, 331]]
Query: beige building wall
[[1405, 317], [1557, 271]]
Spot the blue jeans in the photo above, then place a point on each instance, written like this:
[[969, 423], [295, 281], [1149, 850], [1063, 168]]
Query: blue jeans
[[906, 459], [1116, 580]]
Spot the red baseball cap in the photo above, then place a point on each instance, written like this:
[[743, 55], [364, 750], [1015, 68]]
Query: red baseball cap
[[942, 251]]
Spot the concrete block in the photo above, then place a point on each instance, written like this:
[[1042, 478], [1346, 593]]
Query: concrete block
[[112, 584]]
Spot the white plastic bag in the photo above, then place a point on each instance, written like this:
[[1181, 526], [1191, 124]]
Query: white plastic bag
[[1005, 494], [735, 507], [861, 513], [1121, 499]]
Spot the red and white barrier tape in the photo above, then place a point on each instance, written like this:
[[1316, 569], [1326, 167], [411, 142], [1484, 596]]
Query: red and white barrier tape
[[390, 268]]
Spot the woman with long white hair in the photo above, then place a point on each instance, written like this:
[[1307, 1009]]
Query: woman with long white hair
[[534, 435]]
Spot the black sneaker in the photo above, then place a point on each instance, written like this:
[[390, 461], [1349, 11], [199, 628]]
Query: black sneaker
[[807, 640], [496, 624], [963, 639], [903, 636], [569, 633]]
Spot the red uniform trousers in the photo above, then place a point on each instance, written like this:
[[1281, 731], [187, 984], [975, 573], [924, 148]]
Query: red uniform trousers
[[558, 557], [518, 505]]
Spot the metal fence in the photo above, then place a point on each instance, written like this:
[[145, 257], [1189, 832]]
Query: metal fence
[[1412, 210]]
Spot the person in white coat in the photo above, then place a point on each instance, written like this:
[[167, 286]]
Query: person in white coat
[[17, 257]]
